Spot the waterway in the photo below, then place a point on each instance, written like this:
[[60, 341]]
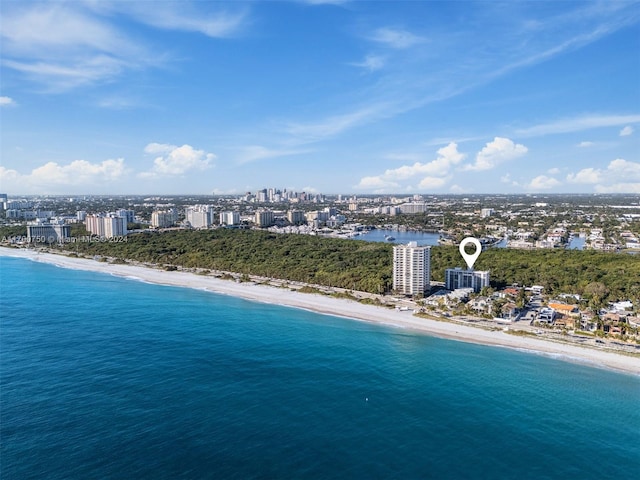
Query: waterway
[[400, 237]]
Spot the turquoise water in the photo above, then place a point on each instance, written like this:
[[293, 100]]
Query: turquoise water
[[104, 377]]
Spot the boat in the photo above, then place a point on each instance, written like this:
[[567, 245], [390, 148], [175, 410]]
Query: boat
[[389, 238]]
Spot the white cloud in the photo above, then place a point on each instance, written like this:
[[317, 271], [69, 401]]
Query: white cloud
[[53, 177], [578, 124], [542, 182], [586, 175], [433, 174], [311, 132], [186, 17], [620, 176], [376, 184], [431, 183], [457, 189], [63, 45], [626, 131], [6, 101], [252, 153], [174, 160], [496, 152], [396, 38], [586, 144], [371, 63], [553, 171]]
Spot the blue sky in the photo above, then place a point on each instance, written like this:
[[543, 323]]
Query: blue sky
[[101, 97]]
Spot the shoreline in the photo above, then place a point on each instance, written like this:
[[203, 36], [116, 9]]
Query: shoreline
[[343, 308]]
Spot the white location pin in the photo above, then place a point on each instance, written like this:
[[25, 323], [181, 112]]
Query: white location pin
[[470, 258]]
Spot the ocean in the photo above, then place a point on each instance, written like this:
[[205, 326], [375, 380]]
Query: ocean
[[112, 378]]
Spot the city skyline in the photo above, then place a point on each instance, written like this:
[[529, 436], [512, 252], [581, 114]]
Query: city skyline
[[320, 96]]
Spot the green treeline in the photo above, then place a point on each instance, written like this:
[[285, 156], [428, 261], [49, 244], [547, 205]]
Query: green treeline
[[367, 266], [613, 276], [341, 263]]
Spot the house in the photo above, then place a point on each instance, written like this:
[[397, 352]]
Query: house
[[509, 311], [481, 304], [546, 315], [565, 309], [565, 321]]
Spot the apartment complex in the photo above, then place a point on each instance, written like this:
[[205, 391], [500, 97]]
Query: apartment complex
[[455, 278], [264, 218], [411, 268], [230, 218], [163, 218], [107, 226]]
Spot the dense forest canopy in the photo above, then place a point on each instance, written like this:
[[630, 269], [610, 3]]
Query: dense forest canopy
[[367, 266]]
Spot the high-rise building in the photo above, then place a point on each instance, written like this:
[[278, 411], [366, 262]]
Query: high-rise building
[[128, 214], [486, 212], [163, 219], [106, 226], [198, 216], [411, 268], [296, 217], [264, 218], [229, 218], [40, 232], [455, 278]]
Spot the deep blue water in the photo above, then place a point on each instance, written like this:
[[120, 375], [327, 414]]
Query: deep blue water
[[104, 377]]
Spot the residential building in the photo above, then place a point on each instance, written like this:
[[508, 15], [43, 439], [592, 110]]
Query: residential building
[[229, 218], [198, 216], [264, 218], [163, 218], [107, 226], [455, 278], [413, 207], [411, 269], [296, 217], [486, 212], [128, 214]]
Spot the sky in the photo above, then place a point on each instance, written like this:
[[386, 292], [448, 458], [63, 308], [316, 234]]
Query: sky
[[414, 97]]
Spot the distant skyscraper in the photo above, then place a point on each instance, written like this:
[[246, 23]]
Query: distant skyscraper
[[459, 278], [411, 269]]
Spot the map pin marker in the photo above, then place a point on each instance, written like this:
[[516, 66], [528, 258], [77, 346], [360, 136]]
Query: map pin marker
[[470, 258]]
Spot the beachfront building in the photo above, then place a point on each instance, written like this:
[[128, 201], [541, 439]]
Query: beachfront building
[[455, 278], [411, 269], [40, 232]]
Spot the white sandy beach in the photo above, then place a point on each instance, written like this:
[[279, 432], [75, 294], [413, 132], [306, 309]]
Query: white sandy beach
[[343, 308]]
